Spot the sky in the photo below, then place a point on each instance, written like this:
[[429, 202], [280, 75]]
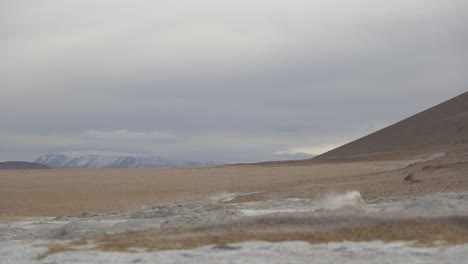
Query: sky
[[241, 80]]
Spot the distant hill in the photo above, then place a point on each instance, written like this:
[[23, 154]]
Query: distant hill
[[442, 127], [14, 165], [107, 159], [431, 133]]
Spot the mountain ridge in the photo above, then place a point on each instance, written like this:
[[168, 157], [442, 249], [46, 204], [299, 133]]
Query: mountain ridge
[[108, 159]]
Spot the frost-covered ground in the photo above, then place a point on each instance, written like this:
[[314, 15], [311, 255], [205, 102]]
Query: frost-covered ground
[[251, 252], [23, 241]]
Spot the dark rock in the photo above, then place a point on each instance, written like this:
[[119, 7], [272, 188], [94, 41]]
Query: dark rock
[[225, 247], [409, 178], [433, 167]]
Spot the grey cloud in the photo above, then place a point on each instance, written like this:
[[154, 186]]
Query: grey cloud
[[240, 78]]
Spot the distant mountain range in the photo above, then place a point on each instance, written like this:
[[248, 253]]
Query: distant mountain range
[[14, 165], [107, 159]]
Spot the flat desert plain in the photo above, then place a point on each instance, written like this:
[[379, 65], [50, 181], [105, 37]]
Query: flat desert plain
[[33, 193], [38, 193]]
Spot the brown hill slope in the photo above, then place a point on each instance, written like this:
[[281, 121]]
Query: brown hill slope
[[441, 128]]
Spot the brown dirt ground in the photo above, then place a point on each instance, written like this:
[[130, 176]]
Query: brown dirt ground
[[423, 232], [32, 193], [448, 174]]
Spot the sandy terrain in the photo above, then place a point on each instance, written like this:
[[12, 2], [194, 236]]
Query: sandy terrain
[[73, 192], [32, 193]]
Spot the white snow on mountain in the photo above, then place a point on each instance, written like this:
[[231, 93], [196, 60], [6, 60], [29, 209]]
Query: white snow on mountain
[[107, 159]]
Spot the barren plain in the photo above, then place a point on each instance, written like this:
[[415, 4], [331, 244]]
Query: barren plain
[[32, 193]]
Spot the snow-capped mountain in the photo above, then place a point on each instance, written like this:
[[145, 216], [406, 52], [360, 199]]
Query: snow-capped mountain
[[107, 159]]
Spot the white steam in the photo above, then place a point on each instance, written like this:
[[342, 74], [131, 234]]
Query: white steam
[[337, 201]]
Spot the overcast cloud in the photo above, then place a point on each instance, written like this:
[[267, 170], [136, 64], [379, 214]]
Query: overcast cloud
[[222, 80]]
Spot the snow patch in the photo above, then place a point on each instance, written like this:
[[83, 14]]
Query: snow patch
[[432, 156], [108, 159], [252, 252]]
